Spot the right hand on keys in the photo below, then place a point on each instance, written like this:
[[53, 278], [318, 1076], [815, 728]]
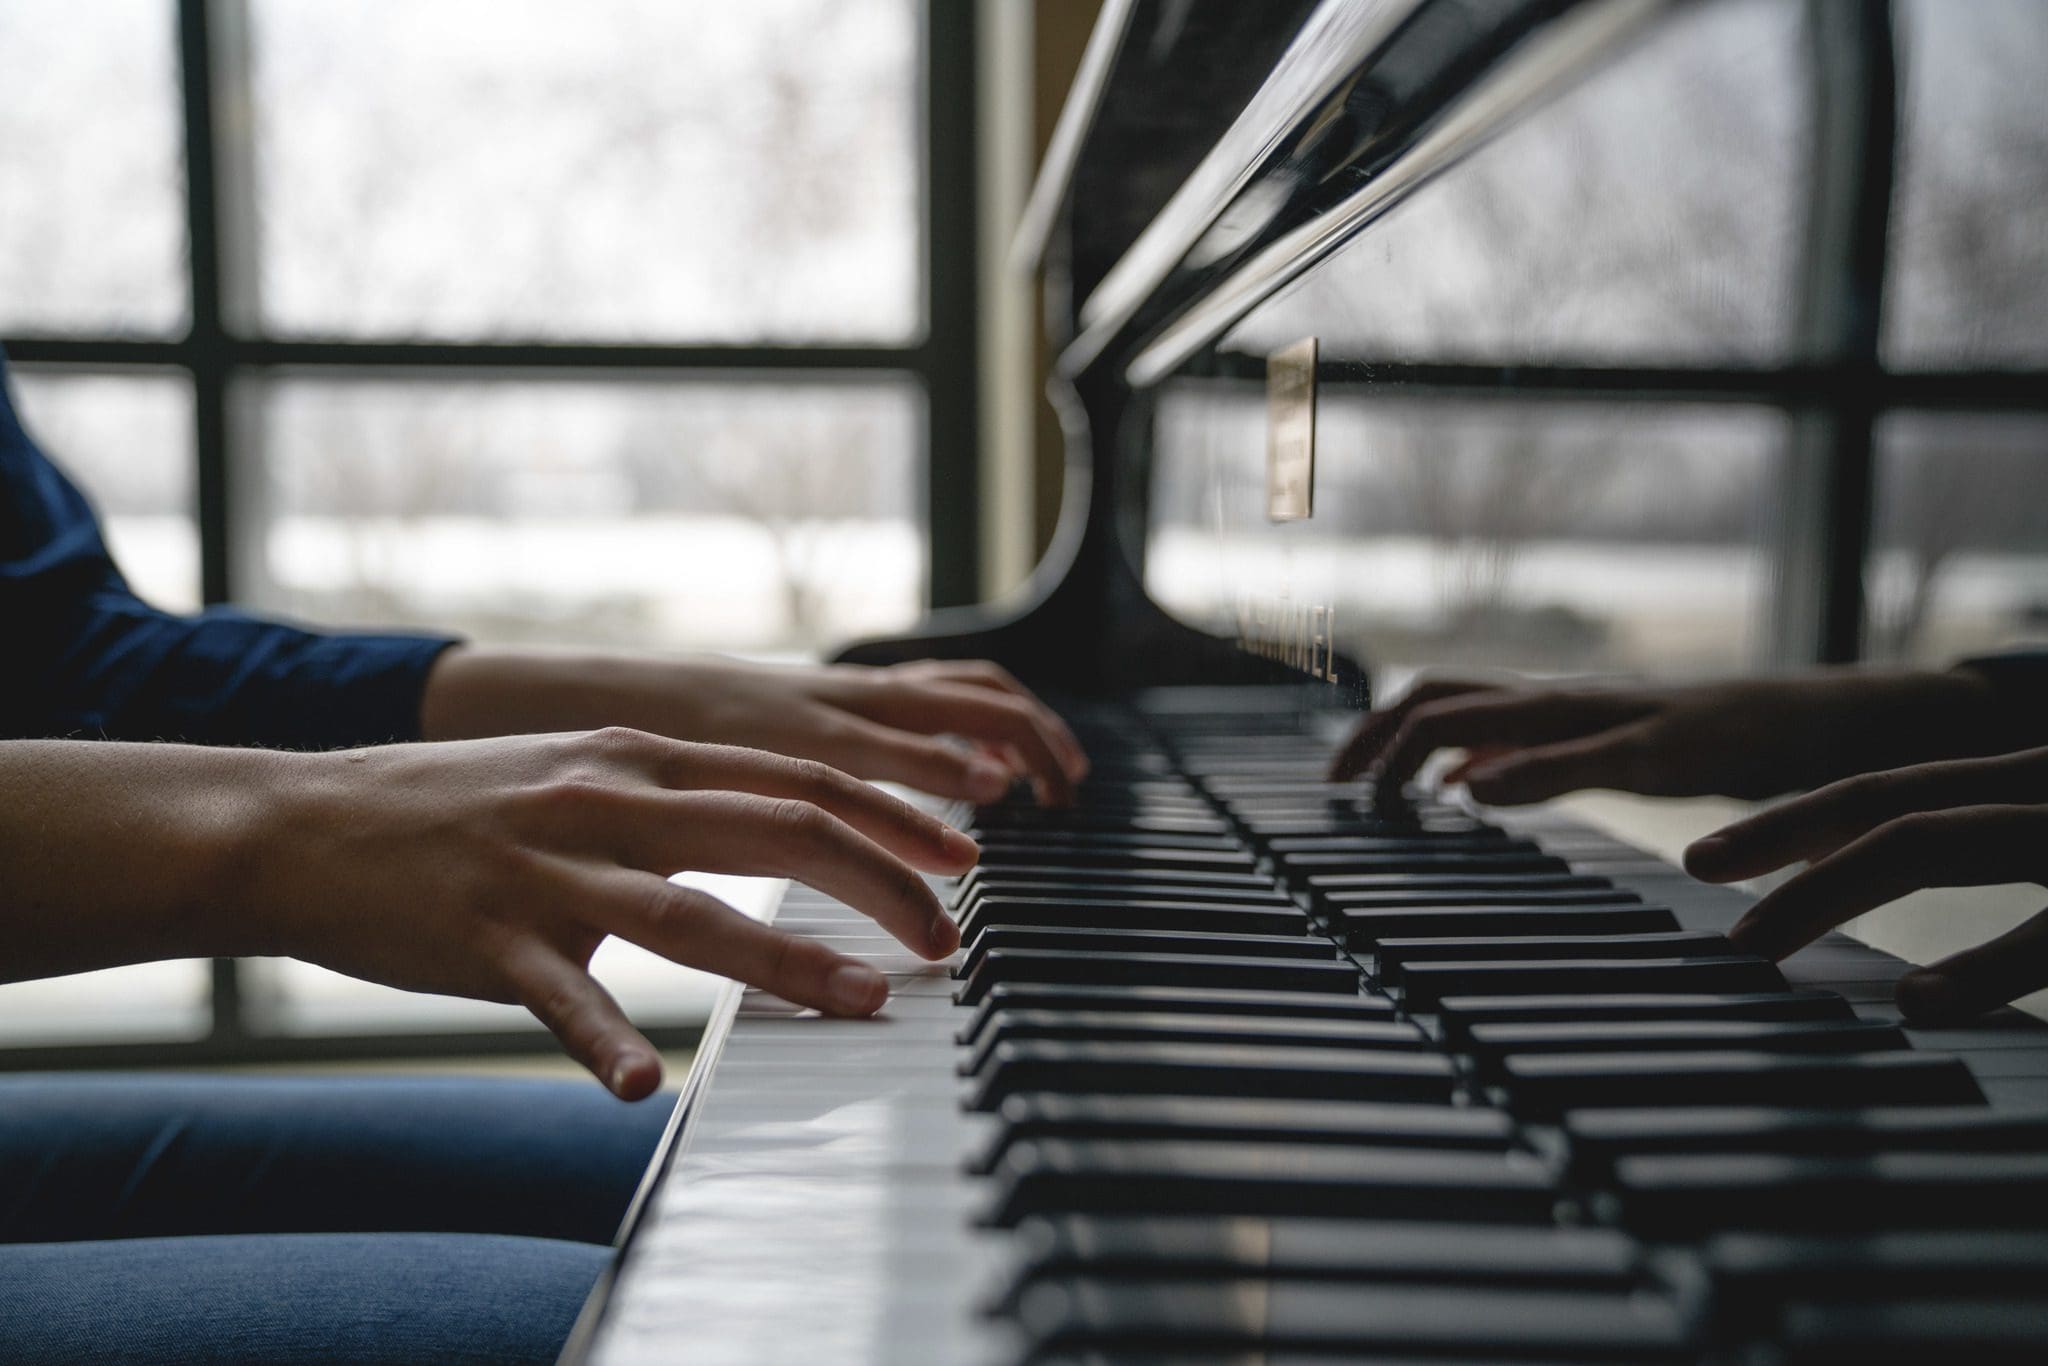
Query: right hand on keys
[[484, 868], [1752, 738]]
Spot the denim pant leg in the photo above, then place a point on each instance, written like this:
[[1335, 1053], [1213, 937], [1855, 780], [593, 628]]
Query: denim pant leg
[[139, 1155], [276, 1299], [244, 1220]]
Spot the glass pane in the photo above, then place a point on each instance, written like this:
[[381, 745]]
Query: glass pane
[[92, 168], [290, 997], [1544, 536], [1969, 245], [127, 441], [1959, 559], [1649, 216], [628, 168], [147, 1002], [649, 514]]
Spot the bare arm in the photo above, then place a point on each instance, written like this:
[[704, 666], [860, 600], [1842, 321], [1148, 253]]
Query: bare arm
[[491, 869], [884, 724]]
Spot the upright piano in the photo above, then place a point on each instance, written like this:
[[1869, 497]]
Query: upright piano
[[1232, 1065]]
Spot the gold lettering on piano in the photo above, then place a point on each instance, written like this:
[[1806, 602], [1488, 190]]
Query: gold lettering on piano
[[1291, 431], [1302, 636]]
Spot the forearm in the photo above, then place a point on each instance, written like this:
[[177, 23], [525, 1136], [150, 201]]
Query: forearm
[[1843, 722], [124, 853]]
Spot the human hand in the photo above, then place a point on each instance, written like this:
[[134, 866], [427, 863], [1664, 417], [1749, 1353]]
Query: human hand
[[1874, 838], [1752, 738], [494, 868], [877, 723]]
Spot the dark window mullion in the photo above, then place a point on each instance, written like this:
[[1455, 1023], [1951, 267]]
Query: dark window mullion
[[951, 370], [205, 357]]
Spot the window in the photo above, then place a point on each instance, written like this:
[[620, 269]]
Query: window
[[1959, 554], [637, 323]]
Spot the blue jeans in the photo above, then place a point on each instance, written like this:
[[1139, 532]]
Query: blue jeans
[[158, 1218]]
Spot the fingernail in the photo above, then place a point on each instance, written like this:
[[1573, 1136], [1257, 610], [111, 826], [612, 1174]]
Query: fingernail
[[856, 989], [1707, 850], [961, 846], [945, 935], [987, 782], [621, 1075]]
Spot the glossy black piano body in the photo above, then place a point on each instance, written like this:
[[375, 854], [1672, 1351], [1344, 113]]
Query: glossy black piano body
[[1484, 1087]]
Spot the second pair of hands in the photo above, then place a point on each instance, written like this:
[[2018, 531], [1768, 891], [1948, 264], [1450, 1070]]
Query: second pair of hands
[[1910, 781]]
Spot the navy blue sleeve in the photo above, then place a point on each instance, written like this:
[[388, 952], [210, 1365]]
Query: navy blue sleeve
[[81, 655]]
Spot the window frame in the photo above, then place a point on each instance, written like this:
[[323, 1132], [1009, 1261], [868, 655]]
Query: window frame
[[214, 354]]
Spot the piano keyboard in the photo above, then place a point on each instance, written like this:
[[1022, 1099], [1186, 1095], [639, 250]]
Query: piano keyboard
[[1228, 1068]]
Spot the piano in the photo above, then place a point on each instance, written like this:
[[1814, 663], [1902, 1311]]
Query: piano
[[1232, 1066]]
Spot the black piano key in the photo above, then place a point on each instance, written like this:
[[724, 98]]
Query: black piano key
[[1597, 1138], [1087, 1026], [1008, 858], [1117, 1176], [1282, 1323], [1343, 825], [1300, 1005], [1051, 912], [1545, 1085], [1365, 928], [1425, 984], [1034, 843], [1491, 843], [1339, 887], [1458, 1014], [1475, 891], [1490, 1043], [1689, 1195], [1266, 896], [1235, 1119], [1396, 954], [1156, 970], [1118, 942], [1193, 819], [1375, 1252], [1018, 877], [1460, 862], [1980, 1330], [1168, 1069], [1753, 1270]]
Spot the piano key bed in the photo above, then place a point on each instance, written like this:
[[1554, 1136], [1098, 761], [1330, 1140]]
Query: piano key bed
[[1228, 1068]]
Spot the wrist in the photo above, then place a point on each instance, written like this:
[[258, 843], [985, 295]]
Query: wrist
[[239, 833], [474, 692], [1881, 719]]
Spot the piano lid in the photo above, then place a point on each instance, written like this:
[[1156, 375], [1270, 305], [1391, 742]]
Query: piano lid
[[1368, 102]]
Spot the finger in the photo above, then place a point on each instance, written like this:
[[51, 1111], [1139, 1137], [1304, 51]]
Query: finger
[[897, 826], [1363, 749], [1612, 758], [1514, 719], [1827, 818], [1969, 983], [1476, 757], [698, 930], [587, 1022], [733, 832], [983, 673], [979, 714], [1971, 846], [924, 762]]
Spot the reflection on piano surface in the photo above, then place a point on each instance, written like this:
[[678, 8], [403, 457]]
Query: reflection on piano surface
[[1233, 1065]]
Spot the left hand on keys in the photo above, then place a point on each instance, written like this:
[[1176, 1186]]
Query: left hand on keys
[[1874, 838]]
